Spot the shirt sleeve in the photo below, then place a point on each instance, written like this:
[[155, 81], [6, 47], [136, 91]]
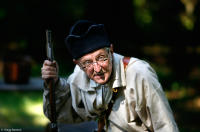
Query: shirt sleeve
[[152, 105], [158, 105], [64, 109]]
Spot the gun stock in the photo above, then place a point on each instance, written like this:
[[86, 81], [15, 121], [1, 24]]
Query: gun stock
[[51, 85]]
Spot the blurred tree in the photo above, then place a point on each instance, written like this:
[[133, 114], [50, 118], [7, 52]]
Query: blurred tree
[[131, 23]]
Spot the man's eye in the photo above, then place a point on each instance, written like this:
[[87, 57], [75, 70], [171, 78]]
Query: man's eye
[[101, 58], [87, 62]]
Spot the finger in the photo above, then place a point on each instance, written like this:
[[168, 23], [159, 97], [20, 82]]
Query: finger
[[48, 63], [53, 73], [48, 68], [55, 64], [54, 61], [46, 72], [46, 77]]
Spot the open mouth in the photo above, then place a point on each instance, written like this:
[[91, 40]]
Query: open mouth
[[99, 76]]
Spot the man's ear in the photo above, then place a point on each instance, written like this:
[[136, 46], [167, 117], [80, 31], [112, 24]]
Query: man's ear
[[111, 48], [75, 61]]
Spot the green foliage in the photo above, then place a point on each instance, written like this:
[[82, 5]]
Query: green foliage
[[36, 70], [21, 110], [142, 13], [74, 8], [2, 13]]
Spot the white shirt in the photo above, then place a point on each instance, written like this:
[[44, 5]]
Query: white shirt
[[141, 104]]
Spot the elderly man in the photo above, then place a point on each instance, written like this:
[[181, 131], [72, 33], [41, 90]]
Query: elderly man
[[122, 93]]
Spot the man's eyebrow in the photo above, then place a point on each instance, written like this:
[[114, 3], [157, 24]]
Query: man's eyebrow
[[85, 59], [101, 53], [89, 59]]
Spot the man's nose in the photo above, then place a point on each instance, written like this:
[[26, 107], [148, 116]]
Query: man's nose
[[97, 67]]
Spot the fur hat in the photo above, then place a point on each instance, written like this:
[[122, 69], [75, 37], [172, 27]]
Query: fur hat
[[86, 36]]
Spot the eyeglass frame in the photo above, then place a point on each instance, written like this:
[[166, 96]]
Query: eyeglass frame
[[103, 60]]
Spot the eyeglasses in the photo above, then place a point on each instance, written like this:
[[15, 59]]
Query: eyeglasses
[[89, 64]]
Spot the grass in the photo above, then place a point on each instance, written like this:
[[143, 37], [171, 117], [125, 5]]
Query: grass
[[22, 109]]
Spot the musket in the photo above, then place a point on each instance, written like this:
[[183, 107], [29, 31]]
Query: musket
[[51, 85]]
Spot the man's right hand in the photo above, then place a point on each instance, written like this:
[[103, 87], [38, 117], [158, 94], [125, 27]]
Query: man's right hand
[[49, 70]]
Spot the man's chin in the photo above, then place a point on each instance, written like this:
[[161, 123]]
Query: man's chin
[[100, 80]]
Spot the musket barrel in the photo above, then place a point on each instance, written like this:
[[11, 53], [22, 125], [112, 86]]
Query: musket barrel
[[49, 45]]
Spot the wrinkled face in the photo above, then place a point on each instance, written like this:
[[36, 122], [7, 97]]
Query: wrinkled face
[[97, 65]]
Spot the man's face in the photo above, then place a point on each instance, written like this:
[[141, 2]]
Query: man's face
[[97, 65]]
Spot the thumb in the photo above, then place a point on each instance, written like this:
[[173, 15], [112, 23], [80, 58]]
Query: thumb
[[56, 66]]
